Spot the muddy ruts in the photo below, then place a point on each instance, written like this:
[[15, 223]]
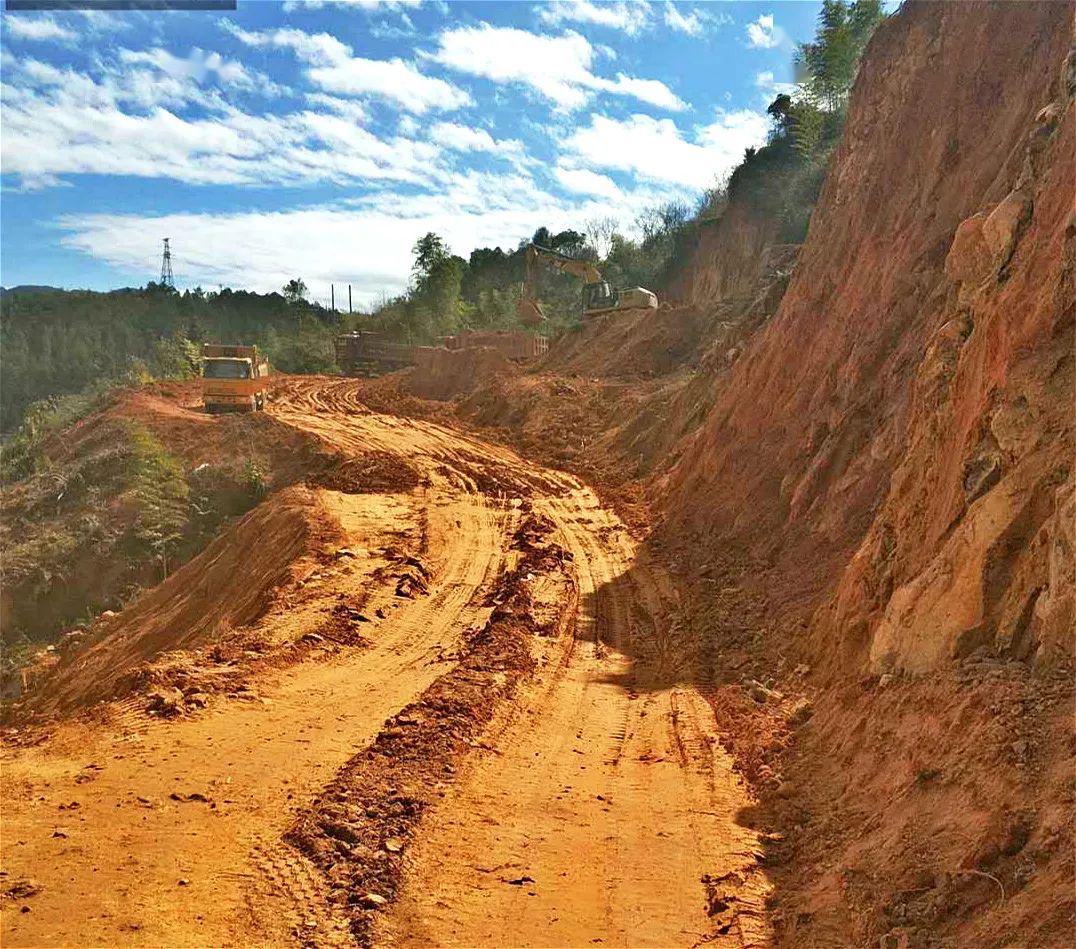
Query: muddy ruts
[[358, 828]]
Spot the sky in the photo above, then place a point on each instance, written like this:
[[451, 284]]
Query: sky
[[321, 139]]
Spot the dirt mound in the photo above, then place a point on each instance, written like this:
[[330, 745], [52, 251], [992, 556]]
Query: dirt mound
[[229, 585], [374, 472], [631, 343], [74, 528], [173, 412], [445, 374]]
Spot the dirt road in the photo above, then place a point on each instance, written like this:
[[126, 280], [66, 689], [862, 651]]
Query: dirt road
[[599, 808]]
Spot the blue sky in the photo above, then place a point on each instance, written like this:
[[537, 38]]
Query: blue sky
[[321, 139]]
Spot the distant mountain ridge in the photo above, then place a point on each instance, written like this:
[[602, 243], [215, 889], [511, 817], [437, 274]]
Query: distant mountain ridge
[[30, 288]]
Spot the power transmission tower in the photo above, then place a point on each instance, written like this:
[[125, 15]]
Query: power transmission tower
[[166, 266]]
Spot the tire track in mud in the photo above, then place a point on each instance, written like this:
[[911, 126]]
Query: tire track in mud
[[116, 881], [606, 811], [609, 802]]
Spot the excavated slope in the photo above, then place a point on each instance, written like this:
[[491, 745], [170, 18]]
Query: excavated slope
[[728, 256], [902, 427], [227, 586]]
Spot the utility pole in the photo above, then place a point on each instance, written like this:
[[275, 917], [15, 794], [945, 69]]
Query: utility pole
[[349, 299], [332, 297], [166, 266]]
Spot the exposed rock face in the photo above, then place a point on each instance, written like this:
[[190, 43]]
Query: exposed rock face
[[898, 442]]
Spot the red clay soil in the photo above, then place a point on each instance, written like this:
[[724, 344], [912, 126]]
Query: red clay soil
[[874, 522], [867, 495], [901, 373], [631, 344], [891, 462], [728, 256], [173, 412], [614, 400], [444, 373], [228, 586], [358, 828]]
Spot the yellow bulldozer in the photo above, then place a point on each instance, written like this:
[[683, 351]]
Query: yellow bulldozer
[[598, 296]]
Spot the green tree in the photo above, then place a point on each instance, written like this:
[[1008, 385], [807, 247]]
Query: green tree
[[807, 124], [831, 61], [161, 496], [295, 291], [430, 251]]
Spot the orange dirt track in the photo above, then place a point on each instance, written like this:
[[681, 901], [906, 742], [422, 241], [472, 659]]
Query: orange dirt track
[[598, 808]]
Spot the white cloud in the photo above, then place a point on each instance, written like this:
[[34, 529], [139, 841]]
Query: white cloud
[[763, 33], [655, 149], [321, 48], [391, 79], [584, 181], [348, 108], [26, 80], [334, 69], [36, 28], [651, 91], [689, 23], [631, 17], [463, 138], [695, 22], [557, 67], [199, 66], [290, 6], [61, 122]]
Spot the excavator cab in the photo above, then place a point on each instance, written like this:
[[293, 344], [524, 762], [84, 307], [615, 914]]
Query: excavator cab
[[598, 297]]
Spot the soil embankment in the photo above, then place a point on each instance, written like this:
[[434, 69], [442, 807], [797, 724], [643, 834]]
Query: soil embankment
[[866, 486], [890, 462]]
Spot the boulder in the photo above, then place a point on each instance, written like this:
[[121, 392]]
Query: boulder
[[1001, 229], [969, 259]]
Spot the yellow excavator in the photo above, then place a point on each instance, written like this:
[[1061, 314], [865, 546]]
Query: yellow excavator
[[598, 296]]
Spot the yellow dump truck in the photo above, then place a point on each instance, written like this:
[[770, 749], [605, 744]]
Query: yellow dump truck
[[234, 378]]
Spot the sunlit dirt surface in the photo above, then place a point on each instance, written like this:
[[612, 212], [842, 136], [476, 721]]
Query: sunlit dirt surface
[[597, 808]]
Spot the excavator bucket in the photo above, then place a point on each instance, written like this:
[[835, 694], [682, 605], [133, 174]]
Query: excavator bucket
[[530, 312]]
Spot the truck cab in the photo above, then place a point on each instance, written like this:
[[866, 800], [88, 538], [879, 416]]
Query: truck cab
[[234, 379]]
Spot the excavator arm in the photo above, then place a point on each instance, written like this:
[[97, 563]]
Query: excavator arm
[[530, 310], [584, 269]]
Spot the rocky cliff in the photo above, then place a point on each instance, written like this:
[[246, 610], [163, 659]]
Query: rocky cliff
[[897, 443]]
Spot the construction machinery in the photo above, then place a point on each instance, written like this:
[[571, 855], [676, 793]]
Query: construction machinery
[[369, 354], [598, 296], [234, 378]]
